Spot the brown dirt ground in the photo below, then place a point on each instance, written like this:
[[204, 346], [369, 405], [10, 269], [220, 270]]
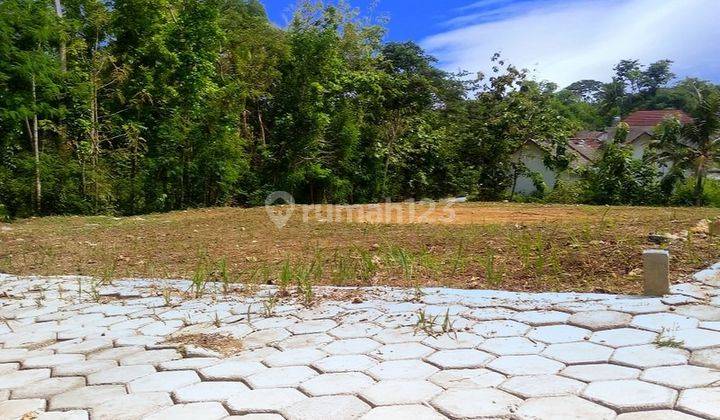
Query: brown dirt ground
[[487, 245]]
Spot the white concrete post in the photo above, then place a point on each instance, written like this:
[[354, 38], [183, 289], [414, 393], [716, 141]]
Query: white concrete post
[[656, 267]]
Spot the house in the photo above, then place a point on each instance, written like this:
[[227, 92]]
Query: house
[[585, 147]]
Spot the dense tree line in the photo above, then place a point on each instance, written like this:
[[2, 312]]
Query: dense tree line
[[131, 106]]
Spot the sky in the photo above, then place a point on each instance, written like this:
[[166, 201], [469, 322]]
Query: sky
[[558, 40]]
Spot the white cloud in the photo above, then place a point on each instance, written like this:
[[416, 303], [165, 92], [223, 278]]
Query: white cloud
[[564, 41]]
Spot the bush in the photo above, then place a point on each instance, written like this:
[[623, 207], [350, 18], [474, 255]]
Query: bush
[[567, 193], [684, 194]]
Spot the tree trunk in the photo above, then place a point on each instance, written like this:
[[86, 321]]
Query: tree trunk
[[36, 150], [63, 48], [699, 178]]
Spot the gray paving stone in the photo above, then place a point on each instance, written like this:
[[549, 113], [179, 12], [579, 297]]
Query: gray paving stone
[[351, 346], [83, 368], [664, 322], [563, 408], [695, 339], [531, 386], [314, 326], [131, 406], [539, 318], [357, 330], [476, 403], [600, 320], [701, 402], [192, 363], [193, 411], [467, 378], [115, 353], [500, 328], [257, 416], [345, 363], [577, 353], [340, 407], [401, 351], [86, 397], [208, 391], [399, 335], [119, 375], [264, 400], [623, 337], [336, 384], [22, 378], [454, 341], [63, 415], [682, 377], [707, 357], [17, 409], [525, 365], [231, 370], [295, 357], [648, 356], [600, 372], [701, 312], [18, 355], [403, 412], [8, 367], [460, 359], [553, 334], [46, 388], [305, 340], [630, 395], [264, 337], [163, 381], [402, 369], [400, 392], [657, 415], [150, 357], [50, 361], [282, 377], [511, 346]]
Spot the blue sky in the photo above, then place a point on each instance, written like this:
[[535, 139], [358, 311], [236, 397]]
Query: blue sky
[[559, 40]]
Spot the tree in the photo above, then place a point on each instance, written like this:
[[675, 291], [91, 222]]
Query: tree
[[656, 75], [586, 90], [694, 146]]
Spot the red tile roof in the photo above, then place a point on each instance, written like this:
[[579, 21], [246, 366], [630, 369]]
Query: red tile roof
[[653, 118]]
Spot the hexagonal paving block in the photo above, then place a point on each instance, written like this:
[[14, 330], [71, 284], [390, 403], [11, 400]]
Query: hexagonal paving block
[[281, 377], [575, 353], [600, 372], [600, 320], [562, 408], [623, 337], [476, 403], [402, 369], [401, 351], [21, 378], [345, 363], [525, 365], [164, 381], [119, 374], [539, 318], [701, 402], [701, 312], [649, 356], [511, 346], [17, 409], [707, 357], [46, 388], [657, 415], [338, 407], [294, 357], [52, 360], [356, 330], [541, 386], [208, 391], [467, 378], [264, 337], [399, 335], [131, 406], [150, 357], [460, 340], [681, 377], [460, 359], [491, 329], [305, 340], [489, 314], [314, 326], [203, 410], [695, 339], [400, 392], [191, 363], [403, 412], [336, 384], [553, 334], [664, 322], [264, 400], [231, 370], [630, 395], [351, 346], [86, 397]]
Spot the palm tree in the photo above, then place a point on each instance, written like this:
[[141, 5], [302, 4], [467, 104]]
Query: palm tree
[[692, 147]]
